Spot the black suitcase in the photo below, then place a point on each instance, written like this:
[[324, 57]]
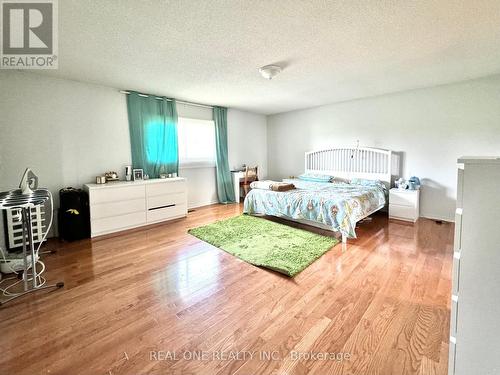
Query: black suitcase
[[74, 214]]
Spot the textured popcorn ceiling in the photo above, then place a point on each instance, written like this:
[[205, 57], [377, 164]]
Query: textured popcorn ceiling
[[209, 51]]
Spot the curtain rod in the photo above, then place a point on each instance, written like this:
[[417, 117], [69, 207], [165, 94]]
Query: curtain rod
[[178, 101]]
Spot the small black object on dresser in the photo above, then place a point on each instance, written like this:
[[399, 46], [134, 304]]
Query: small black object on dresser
[[74, 214]]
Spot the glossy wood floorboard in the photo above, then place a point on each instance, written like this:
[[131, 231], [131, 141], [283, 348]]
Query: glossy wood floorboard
[[382, 306]]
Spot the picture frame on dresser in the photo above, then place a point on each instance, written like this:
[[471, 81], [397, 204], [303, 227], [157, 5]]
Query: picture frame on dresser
[[138, 174]]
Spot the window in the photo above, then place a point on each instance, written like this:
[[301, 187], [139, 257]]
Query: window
[[196, 142]]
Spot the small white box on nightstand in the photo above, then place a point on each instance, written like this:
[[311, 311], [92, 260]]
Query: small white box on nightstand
[[404, 204]]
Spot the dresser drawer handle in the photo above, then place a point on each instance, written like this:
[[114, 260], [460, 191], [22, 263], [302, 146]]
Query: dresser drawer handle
[[158, 208]]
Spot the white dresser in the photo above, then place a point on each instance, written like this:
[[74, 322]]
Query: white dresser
[[123, 205], [475, 301], [404, 204]]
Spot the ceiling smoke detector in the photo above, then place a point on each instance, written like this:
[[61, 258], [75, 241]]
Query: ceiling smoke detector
[[269, 71]]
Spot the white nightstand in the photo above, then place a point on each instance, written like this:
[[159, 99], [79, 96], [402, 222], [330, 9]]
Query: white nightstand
[[404, 204]]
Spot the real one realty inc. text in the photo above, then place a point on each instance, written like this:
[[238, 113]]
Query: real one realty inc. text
[[245, 355]]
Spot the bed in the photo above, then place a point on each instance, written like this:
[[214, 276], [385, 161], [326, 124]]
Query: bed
[[361, 179]]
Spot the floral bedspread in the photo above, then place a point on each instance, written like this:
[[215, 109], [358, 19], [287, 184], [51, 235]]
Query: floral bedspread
[[338, 206]]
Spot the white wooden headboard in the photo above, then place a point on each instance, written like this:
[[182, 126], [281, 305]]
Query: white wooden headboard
[[353, 162]]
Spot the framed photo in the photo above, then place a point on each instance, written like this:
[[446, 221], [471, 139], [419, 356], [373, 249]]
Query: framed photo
[[138, 174]]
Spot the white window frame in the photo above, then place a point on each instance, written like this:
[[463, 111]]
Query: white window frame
[[193, 164]]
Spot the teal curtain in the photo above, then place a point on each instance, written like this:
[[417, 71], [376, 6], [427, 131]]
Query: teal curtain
[[225, 190], [153, 134]]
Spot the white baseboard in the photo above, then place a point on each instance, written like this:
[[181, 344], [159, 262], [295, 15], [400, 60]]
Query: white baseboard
[[433, 217], [200, 204]]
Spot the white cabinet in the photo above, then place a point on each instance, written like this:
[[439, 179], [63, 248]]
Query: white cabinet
[[475, 306], [128, 204], [404, 204]]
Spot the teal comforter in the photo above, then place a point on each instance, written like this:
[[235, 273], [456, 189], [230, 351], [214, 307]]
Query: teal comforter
[[336, 205]]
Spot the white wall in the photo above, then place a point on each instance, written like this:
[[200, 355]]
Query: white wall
[[68, 132], [202, 189], [247, 140], [431, 127]]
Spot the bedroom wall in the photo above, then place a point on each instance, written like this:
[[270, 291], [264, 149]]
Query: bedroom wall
[[430, 127], [68, 132], [247, 140]]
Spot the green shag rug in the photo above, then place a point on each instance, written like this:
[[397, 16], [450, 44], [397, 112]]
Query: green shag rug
[[265, 243]]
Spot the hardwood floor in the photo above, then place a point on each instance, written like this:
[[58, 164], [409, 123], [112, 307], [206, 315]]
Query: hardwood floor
[[131, 301]]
